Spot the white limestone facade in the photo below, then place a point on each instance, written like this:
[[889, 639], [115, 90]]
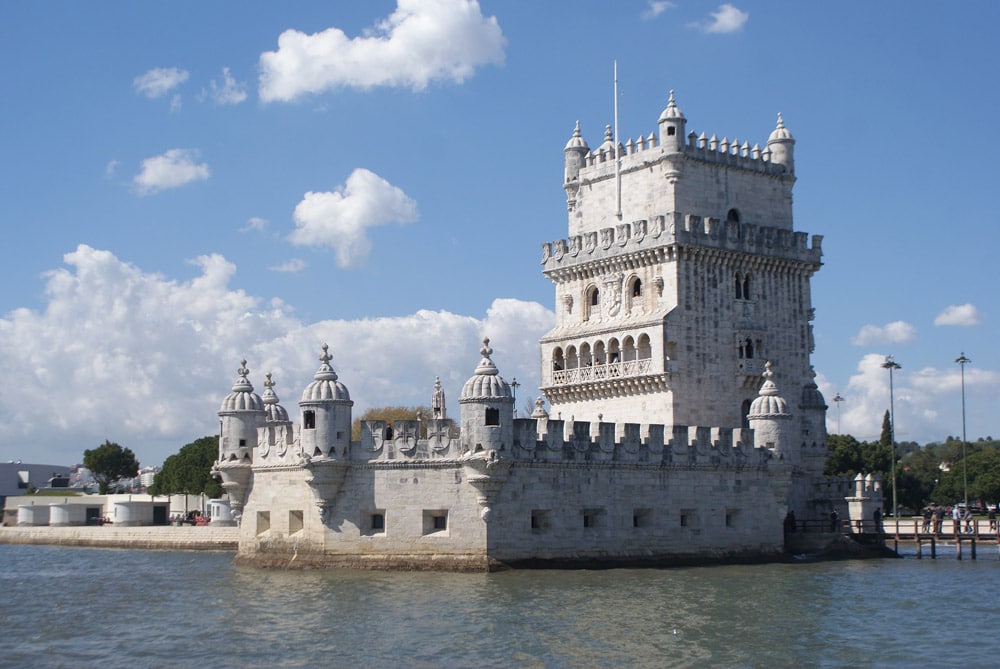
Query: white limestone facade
[[684, 421]]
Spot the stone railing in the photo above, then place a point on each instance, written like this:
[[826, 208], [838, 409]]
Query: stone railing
[[602, 371]]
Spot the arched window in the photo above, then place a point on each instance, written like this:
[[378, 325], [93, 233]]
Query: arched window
[[628, 349], [746, 287], [586, 360], [388, 433], [592, 302], [637, 287], [572, 360], [594, 297], [733, 216], [558, 362], [748, 349], [644, 349], [599, 354], [745, 414], [614, 352], [738, 285]]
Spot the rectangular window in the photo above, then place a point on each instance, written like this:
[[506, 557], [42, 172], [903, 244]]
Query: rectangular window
[[593, 518], [492, 416], [641, 518], [689, 518], [294, 522], [435, 521], [540, 520], [263, 522], [309, 420], [732, 516], [372, 522], [243, 442]]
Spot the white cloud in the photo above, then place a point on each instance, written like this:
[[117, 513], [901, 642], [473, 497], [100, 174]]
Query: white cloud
[[145, 361], [965, 315], [897, 332], [255, 223], [421, 42], [927, 401], [726, 19], [172, 169], [228, 91], [159, 81], [656, 7], [340, 218], [291, 265], [110, 169]]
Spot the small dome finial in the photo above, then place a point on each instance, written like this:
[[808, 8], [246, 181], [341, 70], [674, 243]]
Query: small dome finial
[[486, 351]]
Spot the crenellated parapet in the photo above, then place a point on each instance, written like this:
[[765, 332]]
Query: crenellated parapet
[[657, 240], [554, 441]]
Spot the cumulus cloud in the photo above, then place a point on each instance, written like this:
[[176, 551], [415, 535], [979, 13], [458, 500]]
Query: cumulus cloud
[[897, 332], [255, 223], [656, 7], [159, 81], [422, 41], [965, 315], [228, 91], [726, 19], [339, 219], [172, 169], [144, 360], [926, 400], [291, 265]]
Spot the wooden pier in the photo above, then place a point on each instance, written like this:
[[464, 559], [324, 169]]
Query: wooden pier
[[973, 539]]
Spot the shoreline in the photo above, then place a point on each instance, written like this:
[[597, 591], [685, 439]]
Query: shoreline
[[162, 537]]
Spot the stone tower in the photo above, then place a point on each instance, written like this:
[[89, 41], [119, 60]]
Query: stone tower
[[667, 312], [326, 413], [240, 416]]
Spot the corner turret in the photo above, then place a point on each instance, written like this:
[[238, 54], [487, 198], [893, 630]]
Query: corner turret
[[672, 124], [782, 146], [576, 153], [242, 412], [770, 419], [326, 413], [487, 408]]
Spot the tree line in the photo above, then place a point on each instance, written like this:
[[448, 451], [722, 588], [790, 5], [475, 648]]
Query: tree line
[[935, 473]]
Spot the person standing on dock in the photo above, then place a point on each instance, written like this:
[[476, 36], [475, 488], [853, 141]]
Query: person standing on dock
[[956, 520], [928, 516], [992, 515]]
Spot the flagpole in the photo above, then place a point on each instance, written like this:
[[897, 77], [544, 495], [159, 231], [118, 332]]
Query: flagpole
[[618, 168]]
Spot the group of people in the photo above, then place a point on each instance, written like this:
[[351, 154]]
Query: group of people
[[961, 518]]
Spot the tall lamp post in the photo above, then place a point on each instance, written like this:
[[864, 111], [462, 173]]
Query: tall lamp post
[[513, 386], [838, 399], [962, 362], [891, 365]]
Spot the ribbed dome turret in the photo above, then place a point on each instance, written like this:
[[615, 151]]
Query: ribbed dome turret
[[768, 403], [243, 398], [672, 112], [326, 386], [275, 413], [486, 382]]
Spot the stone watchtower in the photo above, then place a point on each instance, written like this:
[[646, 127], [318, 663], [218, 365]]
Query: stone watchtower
[[242, 412], [680, 276], [326, 413], [487, 408]]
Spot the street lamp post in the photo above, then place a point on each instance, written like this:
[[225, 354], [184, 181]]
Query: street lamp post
[[513, 386], [891, 365], [838, 399], [962, 362]]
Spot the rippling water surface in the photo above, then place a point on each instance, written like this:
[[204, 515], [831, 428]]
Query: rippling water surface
[[117, 608]]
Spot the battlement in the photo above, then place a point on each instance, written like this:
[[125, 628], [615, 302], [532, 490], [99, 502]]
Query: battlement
[[686, 229], [641, 152]]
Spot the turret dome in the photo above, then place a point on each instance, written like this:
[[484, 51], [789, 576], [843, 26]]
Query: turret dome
[[275, 413], [769, 403], [486, 382], [243, 398], [672, 112], [325, 387], [577, 141], [780, 132]]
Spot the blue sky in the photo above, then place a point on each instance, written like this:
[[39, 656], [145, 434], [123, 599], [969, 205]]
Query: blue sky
[[188, 184]]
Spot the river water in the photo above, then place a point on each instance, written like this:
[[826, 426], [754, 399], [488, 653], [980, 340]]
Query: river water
[[72, 607]]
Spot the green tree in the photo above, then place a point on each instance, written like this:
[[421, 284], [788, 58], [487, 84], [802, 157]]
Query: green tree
[[189, 471], [110, 462], [844, 457]]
